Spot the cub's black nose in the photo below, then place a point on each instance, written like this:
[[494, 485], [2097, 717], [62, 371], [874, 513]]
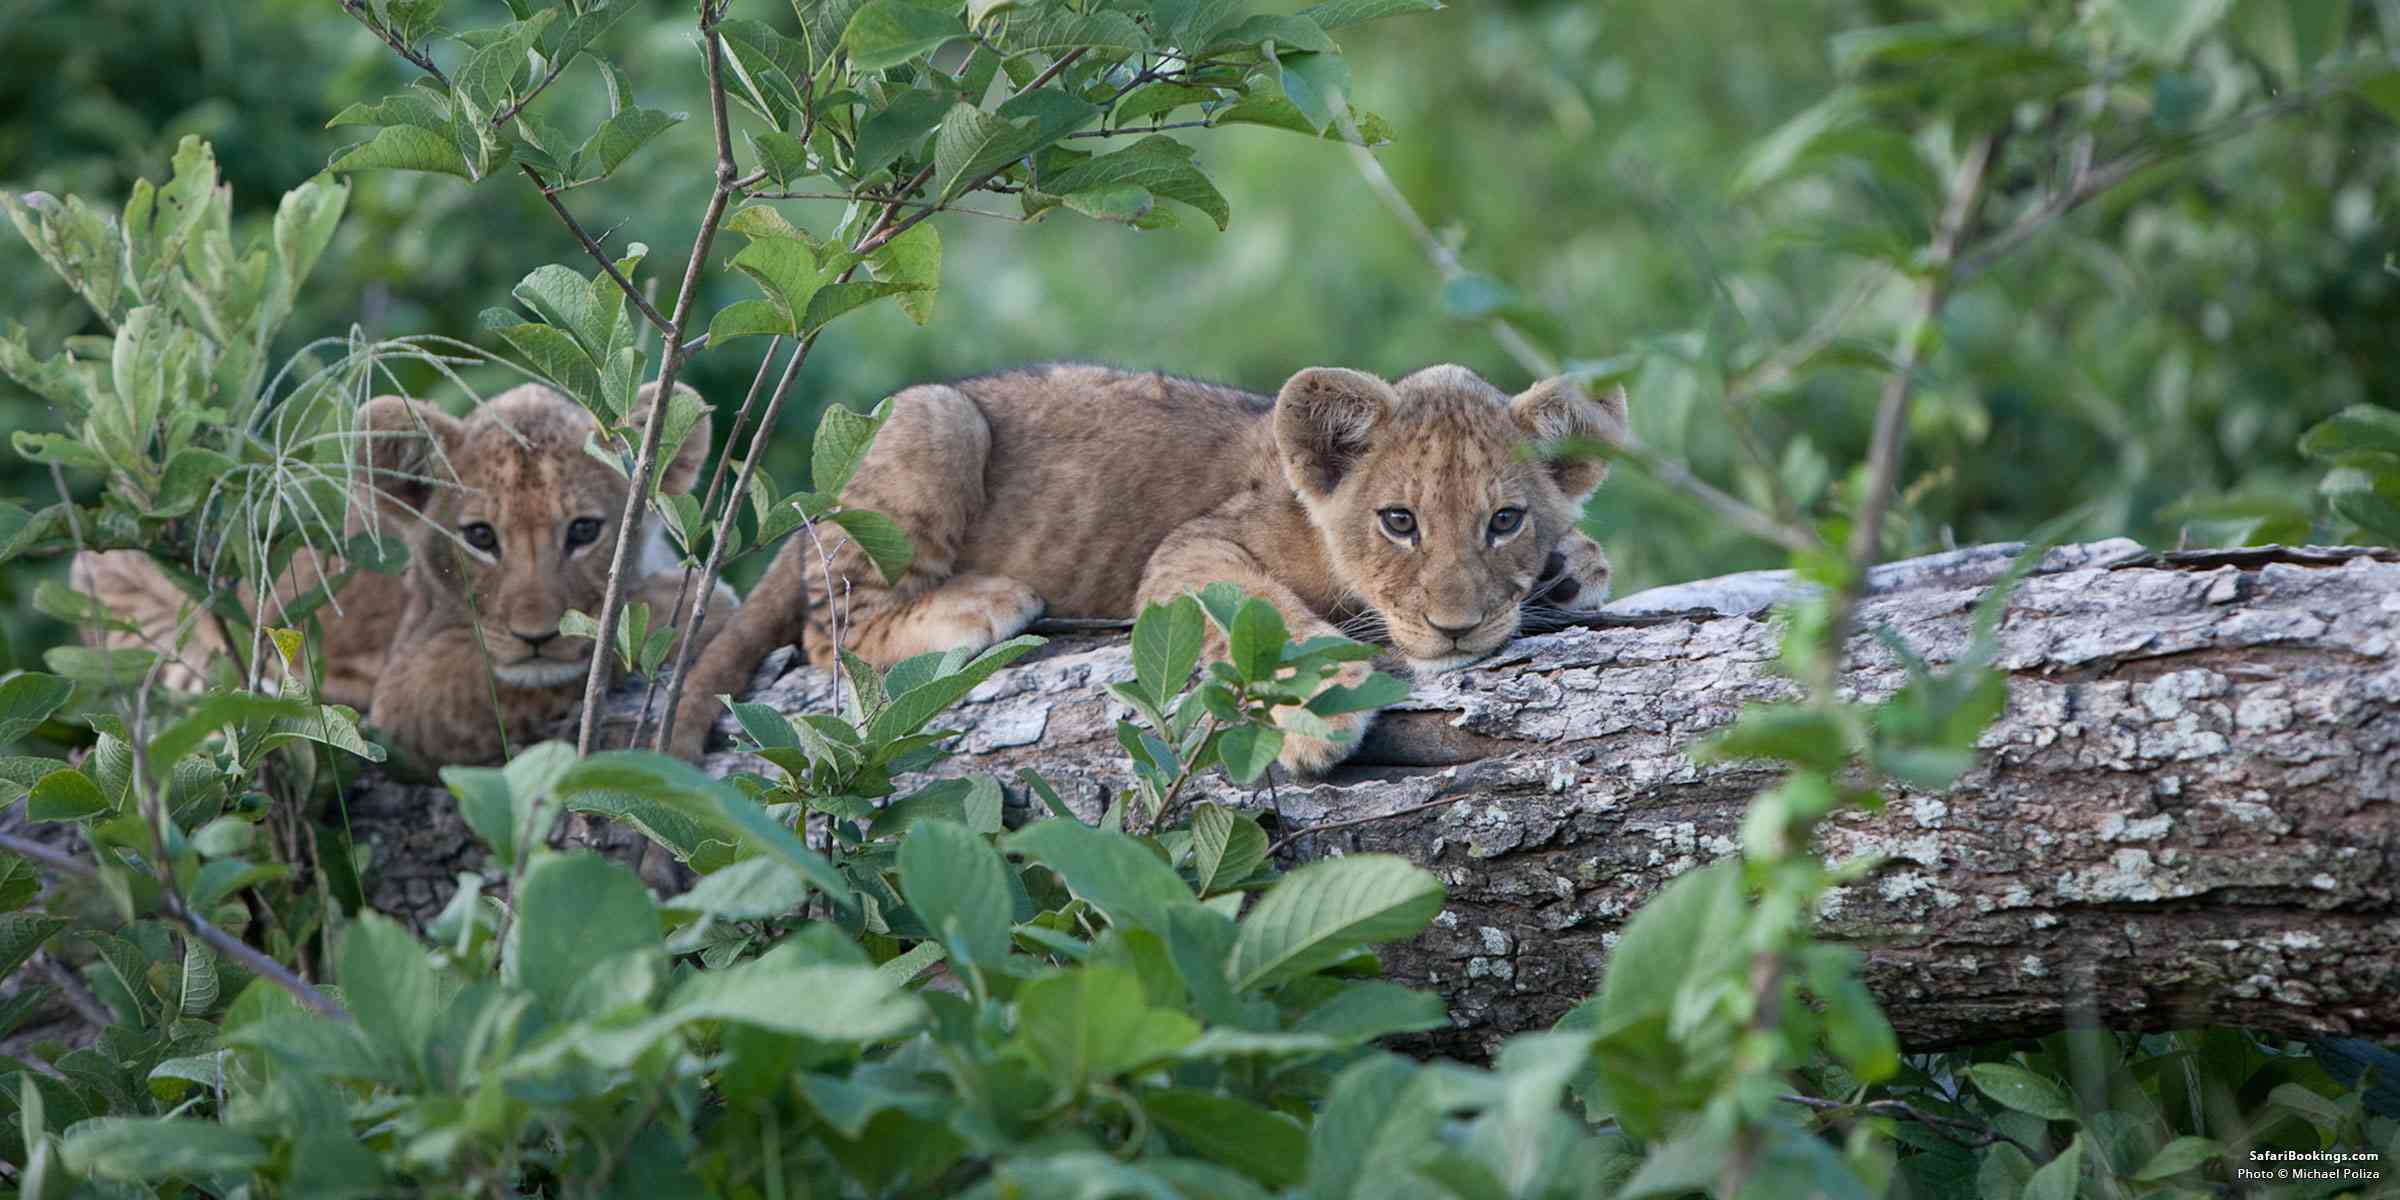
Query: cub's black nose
[[535, 640], [1453, 632]]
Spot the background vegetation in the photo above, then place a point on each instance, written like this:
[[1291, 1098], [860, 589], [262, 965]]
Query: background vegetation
[[2169, 340], [2119, 255]]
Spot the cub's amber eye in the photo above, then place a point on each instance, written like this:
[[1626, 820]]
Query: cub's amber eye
[[481, 537], [583, 531], [1398, 522], [1506, 521]]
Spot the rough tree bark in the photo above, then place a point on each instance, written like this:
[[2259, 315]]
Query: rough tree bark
[[2187, 812]]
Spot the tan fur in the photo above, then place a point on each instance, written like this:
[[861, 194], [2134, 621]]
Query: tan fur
[[1082, 491], [411, 650]]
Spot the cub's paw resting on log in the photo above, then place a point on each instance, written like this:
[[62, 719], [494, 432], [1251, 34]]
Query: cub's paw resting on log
[[1411, 510]]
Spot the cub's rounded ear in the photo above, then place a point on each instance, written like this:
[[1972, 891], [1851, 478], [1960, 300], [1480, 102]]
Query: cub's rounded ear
[[1559, 410], [684, 469], [403, 451], [1322, 420]]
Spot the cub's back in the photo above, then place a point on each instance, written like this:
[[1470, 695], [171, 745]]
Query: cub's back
[[1090, 468]]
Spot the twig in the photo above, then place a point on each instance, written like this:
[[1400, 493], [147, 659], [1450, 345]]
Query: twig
[[875, 242], [224, 943], [1891, 416], [1277, 846], [423, 63], [1966, 1133], [1124, 132], [612, 603], [71, 988], [649, 312]]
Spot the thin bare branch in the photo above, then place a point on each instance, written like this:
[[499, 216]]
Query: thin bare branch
[[423, 63], [649, 312]]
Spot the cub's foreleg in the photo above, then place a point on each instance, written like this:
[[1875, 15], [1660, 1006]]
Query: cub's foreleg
[[925, 472], [132, 587], [1575, 578], [1189, 562]]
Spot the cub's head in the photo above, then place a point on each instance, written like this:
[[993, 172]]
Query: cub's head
[[1425, 497], [511, 522]]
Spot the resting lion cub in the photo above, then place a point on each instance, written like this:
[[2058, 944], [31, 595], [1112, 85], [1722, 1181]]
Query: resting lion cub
[[1082, 491], [509, 524]]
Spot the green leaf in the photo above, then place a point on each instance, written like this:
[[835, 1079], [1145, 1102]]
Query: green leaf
[[1334, 14], [835, 299], [138, 1150], [881, 538], [1375, 1121], [390, 985], [1801, 734], [1314, 83], [1058, 30], [1373, 1009], [2022, 1090], [243, 709], [2061, 1178], [1157, 164], [577, 911], [913, 262], [1258, 1141], [843, 438], [910, 710], [1324, 912], [844, 1003], [1226, 846], [786, 269], [1248, 750], [23, 933], [1166, 646], [27, 700], [2370, 500], [2178, 1156], [1108, 870], [620, 136], [2166, 29], [1092, 1024], [1255, 643], [1684, 931], [65, 795], [748, 318], [403, 148], [958, 885], [2358, 428], [1377, 690], [887, 33], [646, 786]]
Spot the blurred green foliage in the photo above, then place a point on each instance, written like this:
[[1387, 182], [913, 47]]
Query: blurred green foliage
[[2167, 343]]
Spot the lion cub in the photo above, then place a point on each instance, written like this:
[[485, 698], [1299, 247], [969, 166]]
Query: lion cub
[[1082, 491], [509, 523]]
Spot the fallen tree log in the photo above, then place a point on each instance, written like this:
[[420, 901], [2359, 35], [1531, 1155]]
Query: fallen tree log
[[2186, 814]]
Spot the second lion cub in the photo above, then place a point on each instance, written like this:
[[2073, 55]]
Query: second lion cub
[[1084, 491]]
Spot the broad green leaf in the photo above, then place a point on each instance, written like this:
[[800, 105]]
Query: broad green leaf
[[1376, 1119], [843, 438], [403, 148], [1166, 646], [2022, 1090], [887, 33], [1227, 846], [958, 885], [620, 136], [1255, 643], [21, 934], [1324, 912], [65, 795], [1372, 1009], [242, 709], [577, 911], [2166, 29], [1058, 30], [1248, 750], [1685, 930], [910, 710], [912, 261], [2178, 1156], [748, 318], [645, 786], [2061, 1178], [141, 1149], [1314, 84], [1109, 870], [1334, 14], [1091, 1024], [835, 299], [2358, 428], [1157, 164], [1258, 1141], [564, 299], [1377, 690], [787, 269], [27, 700], [390, 985], [881, 538]]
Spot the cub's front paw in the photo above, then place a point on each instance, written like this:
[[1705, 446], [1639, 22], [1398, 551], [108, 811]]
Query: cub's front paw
[[1575, 577], [1307, 755], [982, 610]]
